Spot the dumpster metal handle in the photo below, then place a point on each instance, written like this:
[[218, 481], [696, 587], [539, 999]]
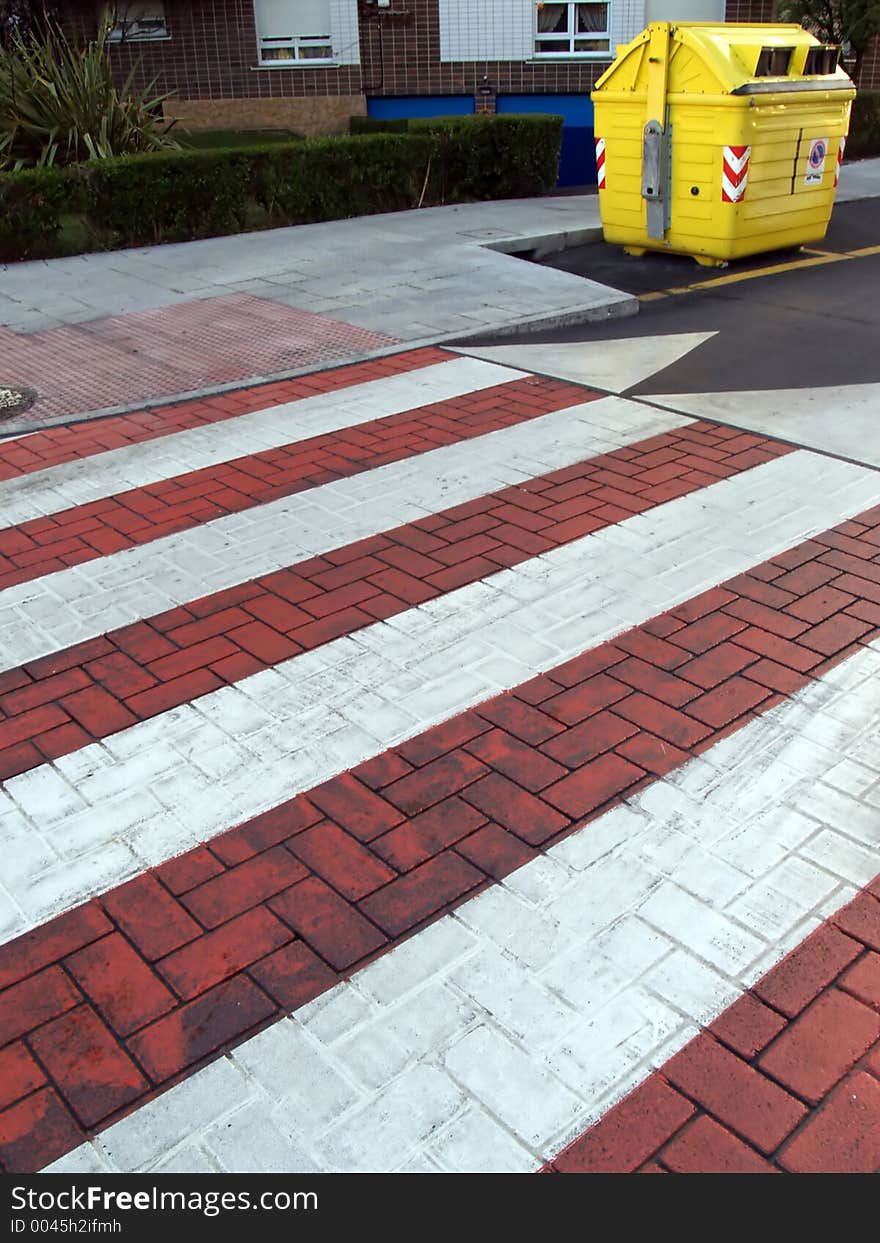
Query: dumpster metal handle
[[653, 162], [655, 178]]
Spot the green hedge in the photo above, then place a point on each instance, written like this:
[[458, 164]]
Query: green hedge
[[864, 126], [499, 157], [377, 125], [512, 153], [167, 196], [334, 178], [31, 204], [178, 195]]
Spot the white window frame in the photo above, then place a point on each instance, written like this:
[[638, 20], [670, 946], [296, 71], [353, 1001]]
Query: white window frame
[[298, 44], [572, 35], [121, 30]]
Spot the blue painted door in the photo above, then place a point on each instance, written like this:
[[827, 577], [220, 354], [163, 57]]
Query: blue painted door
[[577, 161], [386, 108]]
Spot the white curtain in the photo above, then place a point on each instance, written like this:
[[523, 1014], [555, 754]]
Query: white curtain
[[592, 17], [552, 18]]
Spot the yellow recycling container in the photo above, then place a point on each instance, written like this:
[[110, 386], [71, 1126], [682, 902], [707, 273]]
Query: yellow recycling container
[[720, 141]]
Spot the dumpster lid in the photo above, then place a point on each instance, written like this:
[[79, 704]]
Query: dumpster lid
[[729, 58]]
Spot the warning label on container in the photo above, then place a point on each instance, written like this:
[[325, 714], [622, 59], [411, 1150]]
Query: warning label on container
[[816, 162]]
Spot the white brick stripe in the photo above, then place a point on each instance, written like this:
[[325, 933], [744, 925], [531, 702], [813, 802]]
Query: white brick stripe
[[139, 465], [500, 1033], [146, 794], [70, 606]]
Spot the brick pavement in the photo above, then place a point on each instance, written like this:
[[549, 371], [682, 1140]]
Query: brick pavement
[[53, 706], [787, 1079], [542, 785]]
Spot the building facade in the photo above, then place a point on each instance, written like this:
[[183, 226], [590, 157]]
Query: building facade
[[308, 65]]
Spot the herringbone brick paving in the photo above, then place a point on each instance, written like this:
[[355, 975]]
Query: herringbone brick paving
[[787, 1080], [53, 706], [263, 918], [181, 976]]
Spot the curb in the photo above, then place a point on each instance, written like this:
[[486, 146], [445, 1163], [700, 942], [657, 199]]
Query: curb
[[543, 244]]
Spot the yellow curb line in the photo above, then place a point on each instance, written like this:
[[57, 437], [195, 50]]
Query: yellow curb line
[[818, 258]]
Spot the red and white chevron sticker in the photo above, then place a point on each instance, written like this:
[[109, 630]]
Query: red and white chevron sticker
[[600, 161], [841, 147], [734, 174]]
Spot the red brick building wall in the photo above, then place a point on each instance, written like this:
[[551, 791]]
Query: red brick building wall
[[209, 64], [870, 74], [749, 11]]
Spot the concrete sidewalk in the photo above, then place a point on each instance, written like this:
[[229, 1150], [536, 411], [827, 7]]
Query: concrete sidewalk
[[859, 181], [101, 333], [405, 274]]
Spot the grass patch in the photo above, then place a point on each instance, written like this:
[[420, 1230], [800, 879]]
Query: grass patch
[[230, 139]]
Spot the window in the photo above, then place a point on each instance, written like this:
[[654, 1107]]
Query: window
[[130, 22], [573, 29], [293, 32]]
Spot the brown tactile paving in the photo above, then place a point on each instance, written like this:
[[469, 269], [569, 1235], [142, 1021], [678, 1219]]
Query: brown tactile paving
[[121, 360]]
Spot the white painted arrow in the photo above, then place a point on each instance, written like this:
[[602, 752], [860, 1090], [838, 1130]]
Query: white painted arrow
[[843, 419], [613, 366]]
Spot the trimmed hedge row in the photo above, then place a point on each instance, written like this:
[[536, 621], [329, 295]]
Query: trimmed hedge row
[[511, 152], [864, 126], [31, 203], [180, 195]]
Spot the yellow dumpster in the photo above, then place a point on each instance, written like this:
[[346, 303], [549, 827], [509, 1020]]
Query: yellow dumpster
[[720, 141]]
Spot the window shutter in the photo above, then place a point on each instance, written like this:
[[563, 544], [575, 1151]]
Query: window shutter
[[279, 19]]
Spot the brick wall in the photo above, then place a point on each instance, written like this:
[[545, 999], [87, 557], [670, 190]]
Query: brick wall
[[209, 64], [212, 55], [412, 63], [749, 11], [871, 68]]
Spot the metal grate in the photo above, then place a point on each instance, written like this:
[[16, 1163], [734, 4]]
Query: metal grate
[[14, 399]]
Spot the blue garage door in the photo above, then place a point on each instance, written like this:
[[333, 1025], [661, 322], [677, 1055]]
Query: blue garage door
[[577, 163], [387, 109]]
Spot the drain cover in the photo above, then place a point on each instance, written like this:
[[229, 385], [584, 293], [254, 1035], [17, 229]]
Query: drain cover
[[14, 399]]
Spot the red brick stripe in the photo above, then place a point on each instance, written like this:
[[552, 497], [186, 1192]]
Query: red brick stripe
[[786, 1080], [140, 515], [164, 973], [61, 702], [55, 445]]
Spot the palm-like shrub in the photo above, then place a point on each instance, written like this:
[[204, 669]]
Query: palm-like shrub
[[59, 104]]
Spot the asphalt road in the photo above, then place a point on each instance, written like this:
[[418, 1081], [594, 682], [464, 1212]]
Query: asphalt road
[[797, 320]]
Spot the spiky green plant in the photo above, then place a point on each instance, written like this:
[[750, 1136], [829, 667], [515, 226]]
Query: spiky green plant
[[59, 103]]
